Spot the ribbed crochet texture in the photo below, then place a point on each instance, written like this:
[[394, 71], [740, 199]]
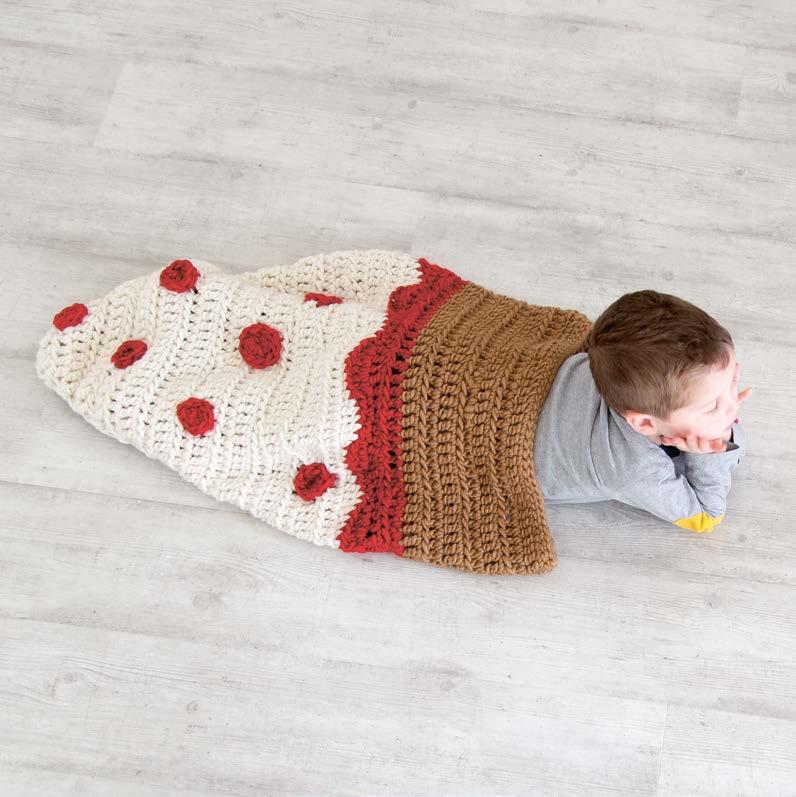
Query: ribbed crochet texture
[[365, 399]]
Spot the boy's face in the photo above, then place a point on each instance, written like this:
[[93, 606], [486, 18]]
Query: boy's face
[[711, 412]]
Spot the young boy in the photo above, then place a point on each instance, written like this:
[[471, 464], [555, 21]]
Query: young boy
[[647, 415]]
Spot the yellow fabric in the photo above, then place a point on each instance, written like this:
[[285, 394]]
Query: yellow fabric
[[699, 523]]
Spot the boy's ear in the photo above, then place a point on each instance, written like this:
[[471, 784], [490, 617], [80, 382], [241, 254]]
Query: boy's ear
[[640, 421]]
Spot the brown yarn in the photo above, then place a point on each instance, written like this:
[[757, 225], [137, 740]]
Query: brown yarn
[[472, 394]]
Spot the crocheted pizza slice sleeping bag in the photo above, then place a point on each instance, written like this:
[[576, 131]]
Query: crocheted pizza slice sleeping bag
[[366, 400]]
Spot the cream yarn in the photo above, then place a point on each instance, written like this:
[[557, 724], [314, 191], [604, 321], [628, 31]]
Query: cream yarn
[[271, 420]]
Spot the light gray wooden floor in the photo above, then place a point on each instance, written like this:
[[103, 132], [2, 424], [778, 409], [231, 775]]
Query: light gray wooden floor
[[156, 642]]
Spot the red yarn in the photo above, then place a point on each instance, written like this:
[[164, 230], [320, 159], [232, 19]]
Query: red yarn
[[260, 345], [180, 276], [70, 316], [374, 375], [196, 415], [128, 353], [322, 298], [313, 480]]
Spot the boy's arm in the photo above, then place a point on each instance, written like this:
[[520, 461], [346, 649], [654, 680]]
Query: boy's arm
[[694, 500]]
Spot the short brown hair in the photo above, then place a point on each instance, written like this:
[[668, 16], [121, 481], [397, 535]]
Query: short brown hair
[[646, 348]]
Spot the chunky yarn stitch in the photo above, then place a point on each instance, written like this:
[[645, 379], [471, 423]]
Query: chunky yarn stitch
[[363, 399]]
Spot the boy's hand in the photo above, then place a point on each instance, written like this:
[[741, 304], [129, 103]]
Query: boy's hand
[[746, 392], [697, 445], [704, 445]]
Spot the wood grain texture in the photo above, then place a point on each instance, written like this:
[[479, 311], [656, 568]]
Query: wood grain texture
[[154, 641]]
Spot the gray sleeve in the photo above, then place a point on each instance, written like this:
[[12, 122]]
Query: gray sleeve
[[710, 474], [694, 499]]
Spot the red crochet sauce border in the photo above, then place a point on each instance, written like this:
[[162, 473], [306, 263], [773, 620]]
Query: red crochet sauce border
[[374, 375]]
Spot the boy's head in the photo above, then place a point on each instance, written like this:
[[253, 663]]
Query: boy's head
[[665, 365]]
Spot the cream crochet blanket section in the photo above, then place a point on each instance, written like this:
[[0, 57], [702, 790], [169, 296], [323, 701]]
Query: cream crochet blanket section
[[271, 419]]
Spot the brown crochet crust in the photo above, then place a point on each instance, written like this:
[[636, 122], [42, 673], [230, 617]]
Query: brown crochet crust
[[473, 389]]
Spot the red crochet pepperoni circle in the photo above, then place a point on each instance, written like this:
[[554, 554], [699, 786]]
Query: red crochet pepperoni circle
[[322, 298], [179, 276], [70, 316], [196, 415], [260, 345], [128, 353], [313, 480]]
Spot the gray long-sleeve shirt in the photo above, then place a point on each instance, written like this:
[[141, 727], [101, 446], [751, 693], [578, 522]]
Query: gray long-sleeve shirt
[[585, 451]]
